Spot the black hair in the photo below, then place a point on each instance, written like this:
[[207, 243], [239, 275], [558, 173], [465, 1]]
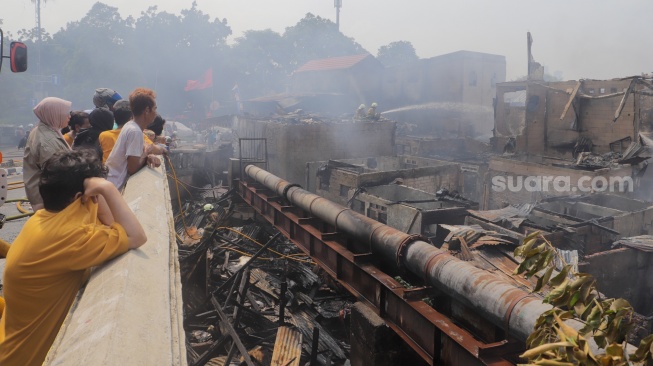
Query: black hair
[[77, 118], [122, 115], [63, 174], [65, 130], [157, 125], [101, 119]]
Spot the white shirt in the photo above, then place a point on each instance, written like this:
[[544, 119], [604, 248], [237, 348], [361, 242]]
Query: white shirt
[[129, 143]]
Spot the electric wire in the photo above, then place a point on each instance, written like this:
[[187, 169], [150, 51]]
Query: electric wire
[[186, 228]]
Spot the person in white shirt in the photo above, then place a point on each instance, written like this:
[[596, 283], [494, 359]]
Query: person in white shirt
[[130, 154]]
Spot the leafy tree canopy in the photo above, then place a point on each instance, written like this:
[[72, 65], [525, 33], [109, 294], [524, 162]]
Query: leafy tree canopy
[[315, 37], [397, 53], [162, 51]]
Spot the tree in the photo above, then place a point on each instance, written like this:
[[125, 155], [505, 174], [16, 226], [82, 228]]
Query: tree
[[162, 51], [92, 52], [261, 60], [397, 53], [316, 37]]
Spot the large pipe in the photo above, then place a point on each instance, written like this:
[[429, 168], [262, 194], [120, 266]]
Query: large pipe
[[499, 301]]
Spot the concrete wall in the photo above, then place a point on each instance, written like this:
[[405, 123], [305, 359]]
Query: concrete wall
[[510, 115], [291, 146], [130, 312], [427, 175], [619, 273], [435, 147], [463, 77], [627, 216], [410, 217], [496, 198], [447, 95], [462, 151]]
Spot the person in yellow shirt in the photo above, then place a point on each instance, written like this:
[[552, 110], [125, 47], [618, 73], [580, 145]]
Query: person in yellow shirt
[[122, 114], [84, 223], [4, 249], [78, 121]]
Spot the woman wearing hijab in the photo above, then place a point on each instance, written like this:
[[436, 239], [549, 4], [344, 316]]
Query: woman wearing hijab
[[43, 141], [101, 120]]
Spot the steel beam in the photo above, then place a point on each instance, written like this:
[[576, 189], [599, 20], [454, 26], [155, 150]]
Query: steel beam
[[421, 326]]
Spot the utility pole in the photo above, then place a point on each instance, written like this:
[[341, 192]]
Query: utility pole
[[337, 4], [38, 29], [38, 91]]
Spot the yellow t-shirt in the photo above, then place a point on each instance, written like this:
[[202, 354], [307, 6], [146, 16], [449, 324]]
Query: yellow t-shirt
[[108, 141], [69, 138], [44, 270]]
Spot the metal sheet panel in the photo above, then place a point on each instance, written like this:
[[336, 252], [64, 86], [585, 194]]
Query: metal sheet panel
[[287, 347]]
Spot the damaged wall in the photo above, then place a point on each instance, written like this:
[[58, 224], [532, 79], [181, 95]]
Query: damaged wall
[[536, 122], [618, 272], [428, 175], [498, 197], [406, 209], [434, 147], [291, 146], [626, 216], [468, 153]]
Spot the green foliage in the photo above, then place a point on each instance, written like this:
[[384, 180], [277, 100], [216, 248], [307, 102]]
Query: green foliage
[[162, 51], [397, 53], [574, 296], [316, 37]]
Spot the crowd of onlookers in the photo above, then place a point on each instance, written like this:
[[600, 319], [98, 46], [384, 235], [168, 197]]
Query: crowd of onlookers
[[75, 164]]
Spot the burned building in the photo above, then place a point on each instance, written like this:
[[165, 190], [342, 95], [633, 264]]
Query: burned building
[[410, 210], [334, 179], [518, 179], [596, 130], [601, 234], [470, 154], [563, 119], [288, 142], [346, 81], [448, 95]]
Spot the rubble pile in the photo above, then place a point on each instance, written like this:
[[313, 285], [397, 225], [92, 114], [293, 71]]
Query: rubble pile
[[252, 297], [464, 238], [299, 117], [593, 161]]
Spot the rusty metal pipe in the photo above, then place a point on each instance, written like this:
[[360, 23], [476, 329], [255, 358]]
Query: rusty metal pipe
[[501, 302]]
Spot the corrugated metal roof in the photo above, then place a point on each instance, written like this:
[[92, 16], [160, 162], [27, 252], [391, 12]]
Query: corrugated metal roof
[[287, 347], [522, 210], [333, 63], [643, 243]]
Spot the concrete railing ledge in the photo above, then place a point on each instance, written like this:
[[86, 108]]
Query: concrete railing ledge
[[130, 312]]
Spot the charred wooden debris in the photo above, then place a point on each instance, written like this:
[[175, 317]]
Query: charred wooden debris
[[250, 296]]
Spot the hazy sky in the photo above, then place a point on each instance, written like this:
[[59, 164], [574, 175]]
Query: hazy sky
[[598, 39]]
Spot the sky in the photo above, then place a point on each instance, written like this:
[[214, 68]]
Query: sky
[[591, 39]]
